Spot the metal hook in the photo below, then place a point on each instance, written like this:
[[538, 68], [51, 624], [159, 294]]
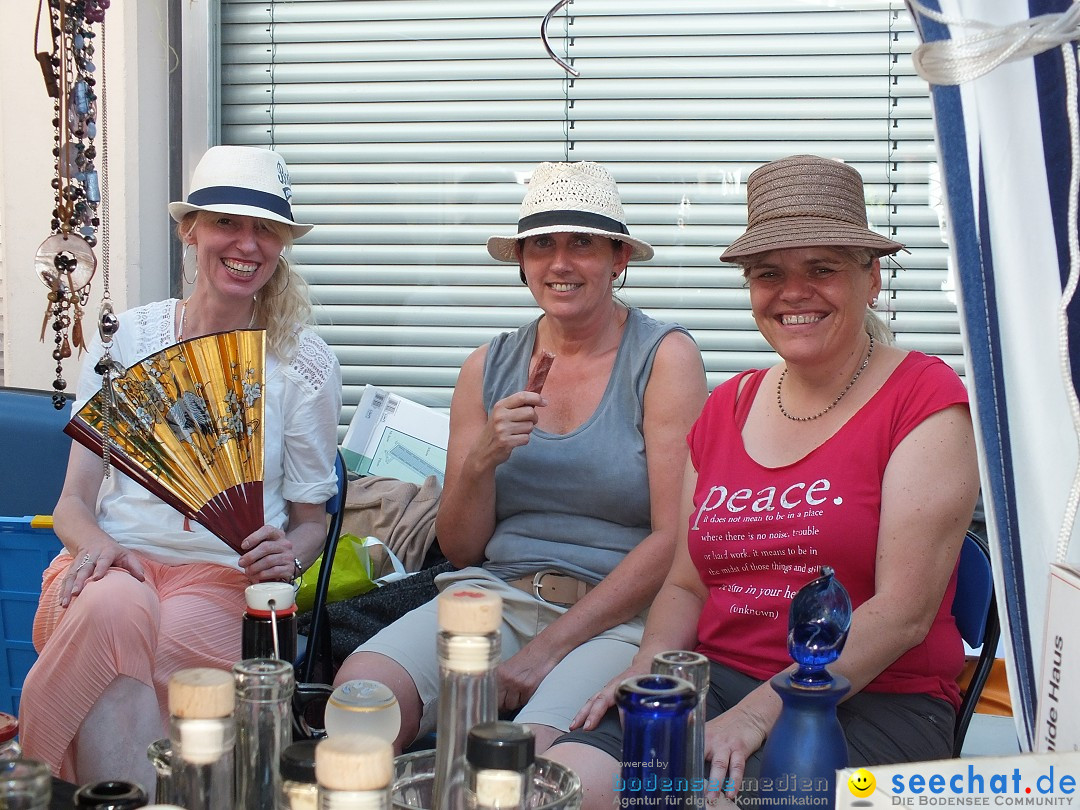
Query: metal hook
[[544, 38]]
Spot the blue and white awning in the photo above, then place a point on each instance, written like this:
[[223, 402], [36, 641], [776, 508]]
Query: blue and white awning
[[1005, 108]]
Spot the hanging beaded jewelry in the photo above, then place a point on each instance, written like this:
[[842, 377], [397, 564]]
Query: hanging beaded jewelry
[[840, 396], [65, 261]]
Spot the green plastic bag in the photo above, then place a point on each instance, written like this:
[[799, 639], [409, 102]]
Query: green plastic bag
[[350, 576]]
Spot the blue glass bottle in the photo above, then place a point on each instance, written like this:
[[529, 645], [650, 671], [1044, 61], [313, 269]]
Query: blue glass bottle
[[655, 713], [806, 745]]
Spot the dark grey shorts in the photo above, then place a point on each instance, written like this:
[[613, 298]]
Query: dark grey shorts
[[880, 727]]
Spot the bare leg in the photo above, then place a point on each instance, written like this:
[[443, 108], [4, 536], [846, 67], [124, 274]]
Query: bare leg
[[596, 770], [544, 736], [112, 740], [377, 667]]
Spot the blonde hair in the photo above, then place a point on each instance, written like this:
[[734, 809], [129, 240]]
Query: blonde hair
[[282, 306], [863, 257]]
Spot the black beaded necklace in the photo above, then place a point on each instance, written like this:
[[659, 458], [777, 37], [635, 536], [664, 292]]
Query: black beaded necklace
[[840, 396]]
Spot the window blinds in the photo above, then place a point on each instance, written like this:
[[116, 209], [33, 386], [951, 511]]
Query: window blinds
[[410, 127]]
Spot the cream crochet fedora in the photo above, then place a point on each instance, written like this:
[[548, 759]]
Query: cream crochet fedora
[[805, 201], [242, 180], [570, 198]]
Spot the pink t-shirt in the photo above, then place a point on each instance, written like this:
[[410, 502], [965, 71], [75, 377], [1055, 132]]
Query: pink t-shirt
[[758, 534]]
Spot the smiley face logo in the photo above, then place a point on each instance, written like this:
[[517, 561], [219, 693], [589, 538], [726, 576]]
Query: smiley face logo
[[861, 783]]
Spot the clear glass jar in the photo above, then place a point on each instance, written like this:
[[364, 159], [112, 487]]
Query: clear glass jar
[[263, 715], [25, 784], [9, 730], [499, 761], [299, 790]]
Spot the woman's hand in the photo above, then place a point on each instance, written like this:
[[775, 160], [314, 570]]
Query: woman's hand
[[520, 675], [508, 426], [268, 556], [595, 709], [729, 740], [93, 562]]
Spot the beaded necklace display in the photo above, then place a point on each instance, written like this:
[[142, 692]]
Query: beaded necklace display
[[65, 261], [840, 396]]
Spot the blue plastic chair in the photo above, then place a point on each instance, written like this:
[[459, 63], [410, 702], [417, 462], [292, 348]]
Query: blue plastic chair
[[975, 610]]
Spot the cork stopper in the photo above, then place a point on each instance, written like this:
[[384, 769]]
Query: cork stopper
[[471, 611], [201, 693], [354, 762], [261, 594]]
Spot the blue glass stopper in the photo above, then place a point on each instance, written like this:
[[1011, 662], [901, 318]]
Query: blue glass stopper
[[818, 624]]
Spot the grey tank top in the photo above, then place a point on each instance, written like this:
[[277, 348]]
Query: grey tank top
[[575, 502]]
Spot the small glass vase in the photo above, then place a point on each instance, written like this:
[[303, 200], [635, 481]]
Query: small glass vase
[[655, 712]]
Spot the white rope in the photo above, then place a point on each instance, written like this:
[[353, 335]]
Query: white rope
[[958, 60], [1068, 56], [954, 61]]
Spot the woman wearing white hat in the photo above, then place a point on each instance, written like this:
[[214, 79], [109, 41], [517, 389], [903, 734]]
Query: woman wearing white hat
[[139, 592], [849, 453], [561, 498]]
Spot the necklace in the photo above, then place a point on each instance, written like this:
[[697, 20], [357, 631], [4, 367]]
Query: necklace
[[183, 315], [840, 396]]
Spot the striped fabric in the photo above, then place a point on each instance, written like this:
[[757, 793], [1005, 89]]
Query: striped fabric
[[1003, 141]]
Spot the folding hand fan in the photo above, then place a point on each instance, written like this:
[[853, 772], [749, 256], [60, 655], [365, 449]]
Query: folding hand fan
[[186, 423]]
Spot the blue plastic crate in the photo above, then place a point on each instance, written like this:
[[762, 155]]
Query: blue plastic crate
[[27, 545]]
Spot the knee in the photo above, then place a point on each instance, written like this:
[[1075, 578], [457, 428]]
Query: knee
[[116, 603]]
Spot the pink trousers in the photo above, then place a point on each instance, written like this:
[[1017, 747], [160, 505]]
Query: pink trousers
[[181, 616]]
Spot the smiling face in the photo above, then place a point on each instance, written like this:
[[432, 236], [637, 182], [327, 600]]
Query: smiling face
[[236, 254], [861, 783], [810, 303], [570, 274]]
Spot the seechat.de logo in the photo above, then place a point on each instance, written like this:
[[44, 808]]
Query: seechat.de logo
[[861, 783]]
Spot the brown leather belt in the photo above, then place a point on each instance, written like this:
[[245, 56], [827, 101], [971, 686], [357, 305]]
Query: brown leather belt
[[551, 586]]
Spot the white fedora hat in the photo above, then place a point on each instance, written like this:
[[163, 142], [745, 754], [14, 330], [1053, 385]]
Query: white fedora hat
[[570, 198], [243, 180]]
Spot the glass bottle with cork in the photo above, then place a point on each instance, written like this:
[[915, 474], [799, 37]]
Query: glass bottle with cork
[[468, 647], [202, 731], [354, 772]]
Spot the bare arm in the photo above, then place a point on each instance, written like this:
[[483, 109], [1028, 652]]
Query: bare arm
[[479, 443], [673, 399]]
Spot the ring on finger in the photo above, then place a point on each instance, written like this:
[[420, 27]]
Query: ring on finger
[[86, 560]]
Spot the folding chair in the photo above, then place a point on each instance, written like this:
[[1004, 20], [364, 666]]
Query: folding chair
[[314, 664], [975, 610]]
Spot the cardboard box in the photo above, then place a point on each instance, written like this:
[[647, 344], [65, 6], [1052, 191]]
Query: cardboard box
[[27, 545]]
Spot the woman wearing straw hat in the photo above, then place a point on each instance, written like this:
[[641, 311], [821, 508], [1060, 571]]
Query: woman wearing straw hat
[[562, 500], [139, 592], [850, 453]]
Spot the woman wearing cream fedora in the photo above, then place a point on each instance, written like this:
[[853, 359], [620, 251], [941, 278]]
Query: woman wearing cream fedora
[[138, 593], [852, 453], [561, 496]]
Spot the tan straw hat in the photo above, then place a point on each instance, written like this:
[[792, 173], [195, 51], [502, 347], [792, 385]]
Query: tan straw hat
[[241, 180], [805, 201], [570, 198]]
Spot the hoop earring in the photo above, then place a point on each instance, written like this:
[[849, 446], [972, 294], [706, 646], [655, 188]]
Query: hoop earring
[[622, 282], [288, 281], [184, 267], [521, 275]]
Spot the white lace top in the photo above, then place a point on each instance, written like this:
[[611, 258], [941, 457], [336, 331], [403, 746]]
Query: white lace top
[[302, 407]]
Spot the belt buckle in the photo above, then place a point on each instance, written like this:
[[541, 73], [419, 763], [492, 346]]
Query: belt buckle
[[537, 579]]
